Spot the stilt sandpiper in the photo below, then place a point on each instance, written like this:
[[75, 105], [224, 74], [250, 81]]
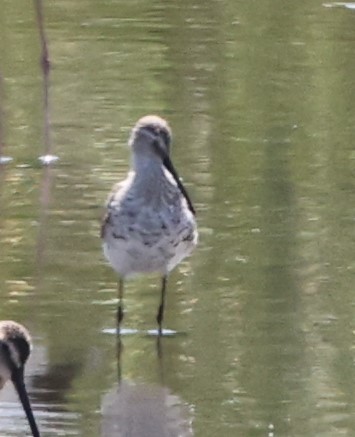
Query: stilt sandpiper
[[150, 221]]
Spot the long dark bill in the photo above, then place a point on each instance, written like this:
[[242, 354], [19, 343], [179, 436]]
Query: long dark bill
[[18, 381], [169, 166]]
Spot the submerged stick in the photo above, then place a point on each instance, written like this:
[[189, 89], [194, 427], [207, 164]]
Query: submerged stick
[[3, 159], [1, 117], [46, 68], [47, 158]]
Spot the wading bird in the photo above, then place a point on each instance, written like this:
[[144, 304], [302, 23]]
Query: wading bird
[[150, 221], [15, 348]]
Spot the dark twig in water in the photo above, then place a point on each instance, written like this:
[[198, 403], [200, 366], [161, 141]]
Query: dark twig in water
[[46, 67], [3, 159], [1, 117], [47, 158]]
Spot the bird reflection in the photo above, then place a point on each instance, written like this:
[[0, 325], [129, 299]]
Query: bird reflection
[[140, 409]]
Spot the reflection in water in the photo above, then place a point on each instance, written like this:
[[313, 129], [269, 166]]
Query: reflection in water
[[141, 409], [44, 201], [275, 309], [52, 386]]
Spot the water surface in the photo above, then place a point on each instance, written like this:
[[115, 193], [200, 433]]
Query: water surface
[[260, 99]]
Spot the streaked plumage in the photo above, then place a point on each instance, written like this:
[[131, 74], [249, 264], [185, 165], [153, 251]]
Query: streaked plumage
[[150, 224], [15, 348]]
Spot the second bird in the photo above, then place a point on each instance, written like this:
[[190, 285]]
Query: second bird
[[15, 348], [150, 222]]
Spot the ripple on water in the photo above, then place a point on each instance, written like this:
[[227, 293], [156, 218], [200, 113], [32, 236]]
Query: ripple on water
[[165, 332], [13, 420], [48, 159], [340, 4], [150, 332], [5, 160], [123, 331]]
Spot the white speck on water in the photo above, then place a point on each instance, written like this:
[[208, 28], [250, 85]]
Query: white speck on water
[[5, 160], [340, 4], [271, 429], [48, 159], [130, 331], [165, 332], [123, 331], [241, 259]]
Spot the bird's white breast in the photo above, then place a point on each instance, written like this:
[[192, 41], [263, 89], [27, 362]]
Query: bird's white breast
[[148, 230]]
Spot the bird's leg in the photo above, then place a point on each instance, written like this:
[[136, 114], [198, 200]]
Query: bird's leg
[[160, 314], [120, 302], [119, 320]]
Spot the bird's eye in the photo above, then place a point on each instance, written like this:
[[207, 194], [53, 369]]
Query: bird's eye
[[151, 130], [165, 137]]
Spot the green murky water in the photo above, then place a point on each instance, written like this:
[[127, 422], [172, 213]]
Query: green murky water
[[260, 97]]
